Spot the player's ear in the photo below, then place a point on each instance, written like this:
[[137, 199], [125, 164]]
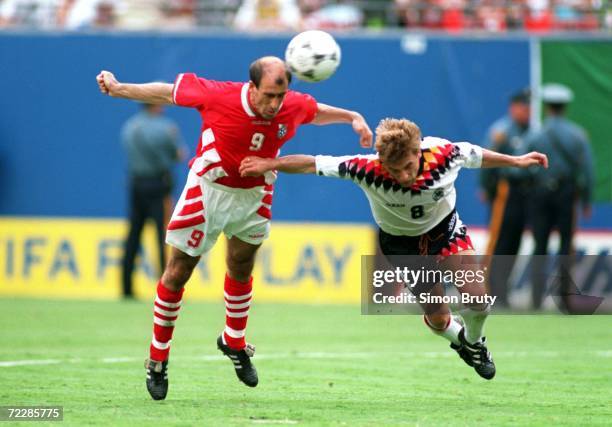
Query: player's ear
[[252, 85]]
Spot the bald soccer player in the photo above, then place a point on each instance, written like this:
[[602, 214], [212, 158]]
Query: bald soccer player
[[238, 120]]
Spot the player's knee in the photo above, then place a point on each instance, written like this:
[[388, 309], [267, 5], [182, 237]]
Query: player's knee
[[240, 256], [438, 321], [178, 271], [240, 260]]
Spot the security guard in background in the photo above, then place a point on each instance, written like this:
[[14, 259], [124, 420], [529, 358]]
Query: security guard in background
[[153, 145], [507, 189], [558, 189]]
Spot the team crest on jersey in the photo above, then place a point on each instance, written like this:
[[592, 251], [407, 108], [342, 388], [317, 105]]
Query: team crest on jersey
[[282, 131], [438, 194]]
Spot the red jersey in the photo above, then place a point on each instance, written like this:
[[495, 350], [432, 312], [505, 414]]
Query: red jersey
[[231, 130]]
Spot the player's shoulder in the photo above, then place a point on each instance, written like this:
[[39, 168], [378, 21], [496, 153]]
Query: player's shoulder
[[358, 162], [433, 141], [297, 98], [347, 161], [193, 78], [358, 165]]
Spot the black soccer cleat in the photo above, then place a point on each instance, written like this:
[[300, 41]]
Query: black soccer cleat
[[157, 378], [463, 353], [479, 355], [245, 370], [460, 348]]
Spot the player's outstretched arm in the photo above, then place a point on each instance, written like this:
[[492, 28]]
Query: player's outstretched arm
[[492, 159], [149, 93], [298, 163], [326, 114]]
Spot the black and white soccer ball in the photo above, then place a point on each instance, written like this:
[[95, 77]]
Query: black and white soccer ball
[[313, 56]]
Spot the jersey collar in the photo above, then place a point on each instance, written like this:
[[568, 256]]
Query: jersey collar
[[421, 164], [244, 97]]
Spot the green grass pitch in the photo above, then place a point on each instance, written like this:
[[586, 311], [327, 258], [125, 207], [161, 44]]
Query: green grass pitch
[[318, 365]]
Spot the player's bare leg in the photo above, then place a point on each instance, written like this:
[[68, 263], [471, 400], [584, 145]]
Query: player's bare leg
[[437, 316], [238, 287], [166, 308], [472, 347]]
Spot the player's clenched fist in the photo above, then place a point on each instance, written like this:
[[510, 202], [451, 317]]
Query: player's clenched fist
[[532, 159], [107, 82], [363, 130]]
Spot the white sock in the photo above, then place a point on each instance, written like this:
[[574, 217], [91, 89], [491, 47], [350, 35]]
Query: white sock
[[474, 323], [451, 332]]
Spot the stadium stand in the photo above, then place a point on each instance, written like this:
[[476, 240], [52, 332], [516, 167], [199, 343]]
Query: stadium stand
[[184, 15]]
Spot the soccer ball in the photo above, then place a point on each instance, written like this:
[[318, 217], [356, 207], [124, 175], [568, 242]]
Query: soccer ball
[[313, 55]]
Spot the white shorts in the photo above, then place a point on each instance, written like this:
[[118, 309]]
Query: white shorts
[[206, 209]]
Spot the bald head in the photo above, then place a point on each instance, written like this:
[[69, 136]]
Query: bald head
[[270, 66]]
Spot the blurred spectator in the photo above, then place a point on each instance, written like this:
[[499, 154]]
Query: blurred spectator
[[178, 15], [335, 17], [500, 15], [490, 16], [153, 145], [86, 14], [575, 14], [309, 6], [453, 17], [140, 14], [514, 15], [431, 16], [216, 13], [29, 13], [507, 190], [262, 15], [409, 12], [294, 15], [539, 16]]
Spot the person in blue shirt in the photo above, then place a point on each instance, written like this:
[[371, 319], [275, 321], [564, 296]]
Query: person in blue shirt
[[153, 145], [558, 190], [507, 191]]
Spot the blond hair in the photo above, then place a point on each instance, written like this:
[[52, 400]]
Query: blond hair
[[395, 137]]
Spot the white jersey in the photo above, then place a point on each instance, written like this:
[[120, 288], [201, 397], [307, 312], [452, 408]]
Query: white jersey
[[414, 210]]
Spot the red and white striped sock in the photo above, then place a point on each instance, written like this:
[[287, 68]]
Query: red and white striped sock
[[450, 331], [237, 303], [165, 313]]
